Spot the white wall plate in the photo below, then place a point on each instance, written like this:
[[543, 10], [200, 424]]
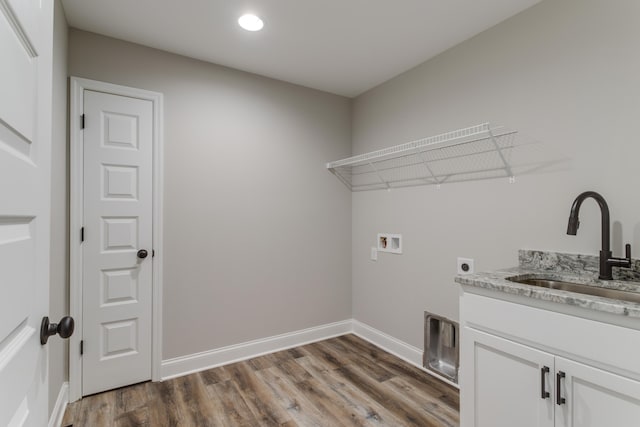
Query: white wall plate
[[388, 242]]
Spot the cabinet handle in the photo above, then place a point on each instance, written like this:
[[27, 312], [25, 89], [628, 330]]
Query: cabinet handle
[[559, 399], [544, 394]]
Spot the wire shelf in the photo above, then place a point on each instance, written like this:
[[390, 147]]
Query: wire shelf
[[473, 153]]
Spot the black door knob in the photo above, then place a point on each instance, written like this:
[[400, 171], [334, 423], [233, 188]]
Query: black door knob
[[64, 328], [142, 253]]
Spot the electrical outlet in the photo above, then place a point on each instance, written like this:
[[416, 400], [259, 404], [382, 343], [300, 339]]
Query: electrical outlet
[[465, 266]]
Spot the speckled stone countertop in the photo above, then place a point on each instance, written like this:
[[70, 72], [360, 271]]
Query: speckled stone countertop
[[581, 269]]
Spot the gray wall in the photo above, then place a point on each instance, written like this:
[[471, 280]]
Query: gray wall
[[257, 232], [565, 74], [59, 267]]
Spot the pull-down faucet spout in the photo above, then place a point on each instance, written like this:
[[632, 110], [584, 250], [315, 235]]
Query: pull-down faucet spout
[[607, 261]]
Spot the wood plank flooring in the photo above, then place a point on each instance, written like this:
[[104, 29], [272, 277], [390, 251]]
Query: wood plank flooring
[[342, 381]]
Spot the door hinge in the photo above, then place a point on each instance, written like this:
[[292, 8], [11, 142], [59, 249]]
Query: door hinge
[[81, 347], [82, 121], [82, 234], [153, 253]]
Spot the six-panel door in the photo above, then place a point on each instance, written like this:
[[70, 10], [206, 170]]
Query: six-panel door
[[26, 29], [117, 284]]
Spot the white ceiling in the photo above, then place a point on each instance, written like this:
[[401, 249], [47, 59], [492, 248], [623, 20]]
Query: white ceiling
[[340, 46]]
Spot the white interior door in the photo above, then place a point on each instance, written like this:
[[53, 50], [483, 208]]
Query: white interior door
[[26, 29], [116, 279]]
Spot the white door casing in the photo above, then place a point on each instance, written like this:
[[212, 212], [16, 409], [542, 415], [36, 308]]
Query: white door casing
[[26, 40], [117, 198], [116, 195]]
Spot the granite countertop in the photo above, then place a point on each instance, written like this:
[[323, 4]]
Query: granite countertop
[[581, 269]]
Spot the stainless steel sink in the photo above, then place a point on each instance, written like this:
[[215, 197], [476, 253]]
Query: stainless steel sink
[[579, 288]]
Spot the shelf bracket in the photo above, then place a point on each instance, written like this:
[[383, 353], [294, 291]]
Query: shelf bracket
[[379, 176], [341, 178], [507, 168], [426, 165]]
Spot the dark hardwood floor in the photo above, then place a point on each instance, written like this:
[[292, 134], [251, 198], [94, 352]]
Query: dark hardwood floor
[[342, 381]]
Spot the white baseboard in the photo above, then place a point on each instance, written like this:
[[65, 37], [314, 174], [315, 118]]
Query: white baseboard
[[400, 349], [184, 365], [55, 420]]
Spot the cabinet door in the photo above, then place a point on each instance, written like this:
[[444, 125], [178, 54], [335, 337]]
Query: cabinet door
[[501, 383], [596, 398]]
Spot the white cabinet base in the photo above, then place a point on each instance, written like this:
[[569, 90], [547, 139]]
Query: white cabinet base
[[505, 348]]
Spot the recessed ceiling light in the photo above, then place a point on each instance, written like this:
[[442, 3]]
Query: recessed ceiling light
[[250, 22]]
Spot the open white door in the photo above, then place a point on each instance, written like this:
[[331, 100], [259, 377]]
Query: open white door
[[26, 29]]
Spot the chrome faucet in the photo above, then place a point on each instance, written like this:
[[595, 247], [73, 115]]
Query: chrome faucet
[[607, 261]]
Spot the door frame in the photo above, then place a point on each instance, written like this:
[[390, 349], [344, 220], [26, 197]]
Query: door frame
[[76, 196]]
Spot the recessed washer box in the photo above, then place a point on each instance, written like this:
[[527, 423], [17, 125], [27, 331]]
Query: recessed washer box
[[388, 242]]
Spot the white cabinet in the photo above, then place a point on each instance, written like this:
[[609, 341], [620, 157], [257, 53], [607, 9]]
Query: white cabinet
[[504, 386], [522, 366], [596, 398]]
